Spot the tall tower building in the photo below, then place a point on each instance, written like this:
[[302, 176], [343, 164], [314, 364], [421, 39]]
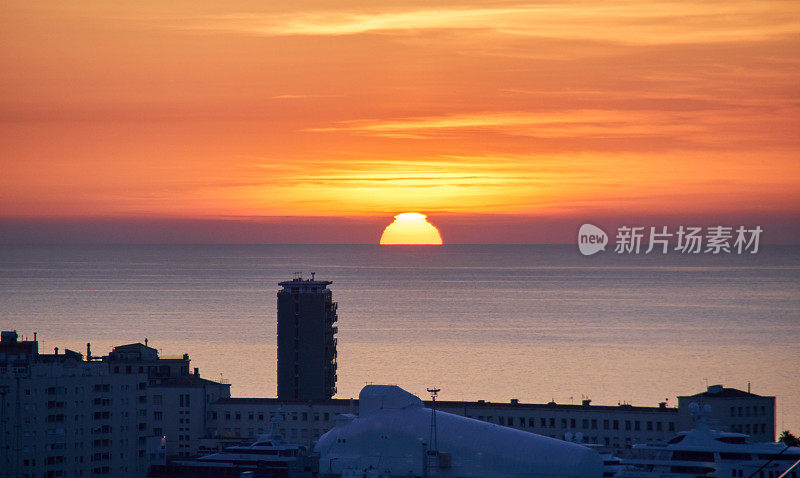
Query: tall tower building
[[306, 343]]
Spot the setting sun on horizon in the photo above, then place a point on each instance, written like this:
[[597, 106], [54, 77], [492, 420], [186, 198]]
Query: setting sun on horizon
[[411, 228], [227, 113]]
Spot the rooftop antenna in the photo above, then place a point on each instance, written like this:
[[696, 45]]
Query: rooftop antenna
[[434, 439], [312, 275], [145, 341]]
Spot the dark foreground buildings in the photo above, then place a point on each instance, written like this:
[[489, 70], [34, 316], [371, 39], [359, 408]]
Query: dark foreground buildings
[[66, 415]]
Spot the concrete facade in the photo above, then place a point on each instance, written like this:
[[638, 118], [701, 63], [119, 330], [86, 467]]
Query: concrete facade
[[233, 420], [734, 411], [239, 419], [63, 416]]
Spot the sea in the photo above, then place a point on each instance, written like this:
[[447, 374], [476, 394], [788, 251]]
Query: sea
[[494, 322]]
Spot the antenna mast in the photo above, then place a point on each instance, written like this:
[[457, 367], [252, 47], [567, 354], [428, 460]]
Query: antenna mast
[[434, 438]]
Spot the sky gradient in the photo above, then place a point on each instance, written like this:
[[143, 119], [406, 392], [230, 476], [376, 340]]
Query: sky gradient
[[537, 114]]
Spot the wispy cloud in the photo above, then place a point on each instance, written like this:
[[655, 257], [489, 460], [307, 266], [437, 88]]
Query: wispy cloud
[[584, 123], [625, 22]]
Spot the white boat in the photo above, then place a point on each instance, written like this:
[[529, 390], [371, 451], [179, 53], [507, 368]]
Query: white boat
[[708, 453], [269, 455]]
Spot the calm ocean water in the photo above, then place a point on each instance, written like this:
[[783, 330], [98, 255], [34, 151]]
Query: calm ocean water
[[482, 322]]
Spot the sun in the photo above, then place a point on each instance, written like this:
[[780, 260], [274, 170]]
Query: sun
[[411, 228]]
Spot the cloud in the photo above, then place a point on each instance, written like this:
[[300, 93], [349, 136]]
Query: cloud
[[564, 124], [661, 22]]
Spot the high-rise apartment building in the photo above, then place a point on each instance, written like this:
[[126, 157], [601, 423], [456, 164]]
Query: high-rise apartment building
[[306, 342]]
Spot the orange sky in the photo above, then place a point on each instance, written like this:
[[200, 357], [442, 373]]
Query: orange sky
[[351, 108]]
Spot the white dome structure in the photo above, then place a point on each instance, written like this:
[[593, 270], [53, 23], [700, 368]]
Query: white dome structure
[[392, 432]]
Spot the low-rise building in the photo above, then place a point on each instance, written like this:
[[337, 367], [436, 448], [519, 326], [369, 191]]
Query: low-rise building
[[234, 420], [733, 410]]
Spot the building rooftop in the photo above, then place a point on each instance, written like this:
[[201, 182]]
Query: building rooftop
[[718, 391], [298, 281], [451, 404]]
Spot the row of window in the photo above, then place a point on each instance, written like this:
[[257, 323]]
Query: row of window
[[746, 411], [746, 429], [260, 416], [585, 423], [291, 433], [97, 388]]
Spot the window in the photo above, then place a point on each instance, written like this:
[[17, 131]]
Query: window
[[251, 416], [158, 399], [672, 426], [238, 415], [531, 422], [649, 426], [304, 416], [594, 424], [563, 423], [658, 426], [606, 425], [616, 424], [158, 416], [627, 424], [637, 425], [543, 422], [572, 423], [585, 423], [552, 423], [502, 420]]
